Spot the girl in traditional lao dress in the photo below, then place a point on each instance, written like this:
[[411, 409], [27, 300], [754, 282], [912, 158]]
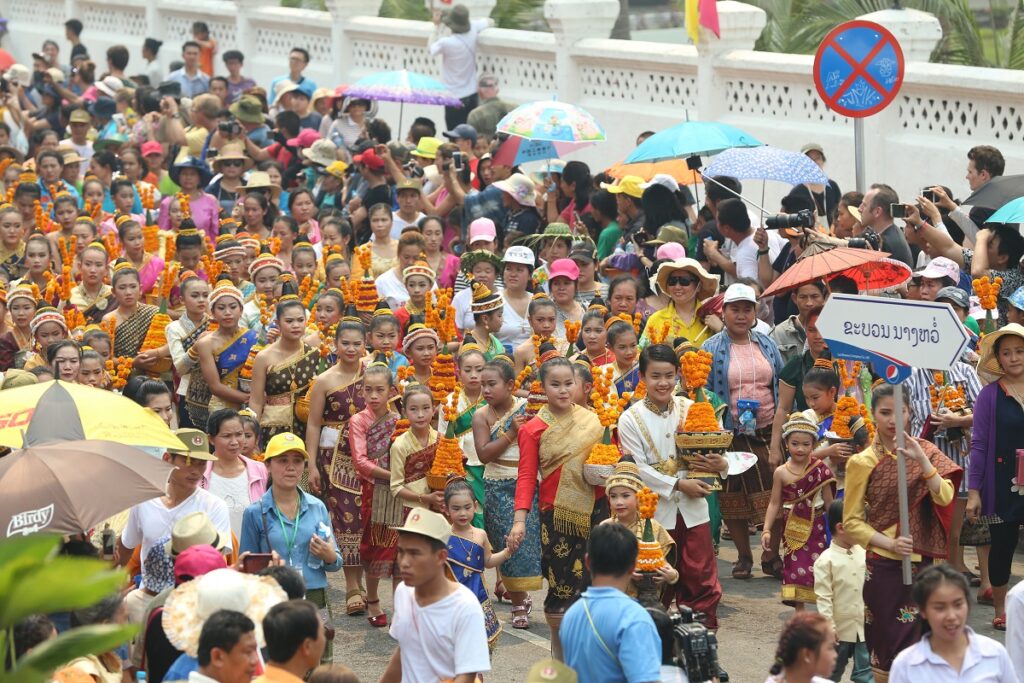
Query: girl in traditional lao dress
[[91, 296], [495, 431], [553, 446], [803, 487], [131, 318], [469, 552], [221, 355], [282, 372], [149, 266], [369, 438], [16, 343], [412, 454], [622, 344], [470, 363], [183, 333], [336, 396]]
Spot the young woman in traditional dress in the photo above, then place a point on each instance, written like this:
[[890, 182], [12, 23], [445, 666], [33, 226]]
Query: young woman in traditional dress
[[553, 446], [183, 333], [92, 296], [149, 266], [16, 343], [336, 396], [621, 342], [131, 317]]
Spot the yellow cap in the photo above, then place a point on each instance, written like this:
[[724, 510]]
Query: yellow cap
[[426, 148], [286, 442], [632, 185]]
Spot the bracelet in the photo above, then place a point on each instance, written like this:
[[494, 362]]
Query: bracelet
[[931, 474], [508, 438], [762, 252]]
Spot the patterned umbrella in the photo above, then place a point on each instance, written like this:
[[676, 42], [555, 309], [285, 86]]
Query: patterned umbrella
[[403, 86], [552, 120], [766, 163], [518, 150], [819, 262], [879, 274], [691, 138]]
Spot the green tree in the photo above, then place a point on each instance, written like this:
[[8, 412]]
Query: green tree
[[35, 580]]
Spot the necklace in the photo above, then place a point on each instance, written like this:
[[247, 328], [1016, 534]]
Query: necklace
[[653, 407], [790, 470]]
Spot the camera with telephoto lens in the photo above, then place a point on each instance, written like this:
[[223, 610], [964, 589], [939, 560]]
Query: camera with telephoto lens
[[230, 127], [697, 648], [800, 219]]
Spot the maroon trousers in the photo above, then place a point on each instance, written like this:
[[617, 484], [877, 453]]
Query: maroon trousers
[[697, 587]]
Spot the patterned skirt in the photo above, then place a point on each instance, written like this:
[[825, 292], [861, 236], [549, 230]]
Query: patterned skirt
[[798, 565], [890, 615], [561, 559], [381, 513], [746, 496], [521, 572], [345, 508]]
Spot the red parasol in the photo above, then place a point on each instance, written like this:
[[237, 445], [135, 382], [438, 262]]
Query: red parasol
[[818, 262], [879, 274]]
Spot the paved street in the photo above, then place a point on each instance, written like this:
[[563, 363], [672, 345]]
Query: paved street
[[750, 614]]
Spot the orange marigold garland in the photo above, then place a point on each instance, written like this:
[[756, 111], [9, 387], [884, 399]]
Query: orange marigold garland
[[846, 378], [572, 333], [156, 335], [151, 239], [441, 319], [696, 370], [650, 557], [846, 413], [608, 409], [987, 289], [448, 458], [118, 370]]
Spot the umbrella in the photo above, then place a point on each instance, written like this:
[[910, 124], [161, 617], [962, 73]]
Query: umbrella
[[58, 411], [552, 120], [403, 86], [997, 192], [518, 150], [879, 274], [820, 262], [6, 60], [646, 169], [1010, 212], [71, 486], [766, 163], [691, 138]]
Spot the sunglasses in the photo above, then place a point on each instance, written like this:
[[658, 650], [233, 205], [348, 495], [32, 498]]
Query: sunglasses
[[680, 280], [232, 162]]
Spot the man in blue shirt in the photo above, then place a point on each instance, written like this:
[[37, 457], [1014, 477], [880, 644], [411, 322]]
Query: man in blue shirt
[[606, 636], [298, 60], [193, 81]]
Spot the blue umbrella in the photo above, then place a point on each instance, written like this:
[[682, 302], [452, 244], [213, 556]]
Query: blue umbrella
[[1011, 212], [766, 163], [403, 86], [691, 138], [518, 150]]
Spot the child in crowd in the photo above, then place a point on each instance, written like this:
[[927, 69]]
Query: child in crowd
[[622, 342], [383, 338], [421, 346], [469, 364]]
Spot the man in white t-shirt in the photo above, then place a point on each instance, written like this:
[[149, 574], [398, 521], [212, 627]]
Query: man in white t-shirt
[[740, 261], [150, 523], [439, 624], [458, 59], [409, 192]]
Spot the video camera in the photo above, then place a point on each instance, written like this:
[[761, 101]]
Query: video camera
[[800, 219], [229, 125], [697, 648]]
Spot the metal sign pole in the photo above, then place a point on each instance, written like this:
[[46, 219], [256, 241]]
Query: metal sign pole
[[858, 151], [901, 470]]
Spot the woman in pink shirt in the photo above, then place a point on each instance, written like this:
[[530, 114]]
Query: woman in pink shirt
[[192, 175]]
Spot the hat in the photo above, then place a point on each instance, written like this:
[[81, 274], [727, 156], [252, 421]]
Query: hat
[[550, 671], [197, 444], [520, 188], [668, 233], [416, 332], [739, 292], [482, 229], [583, 251], [663, 179], [284, 87], [410, 184], [671, 251], [484, 300], [457, 19], [248, 109], [708, 283], [463, 131], [192, 603], [265, 261], [336, 169], [305, 138], [419, 268], [198, 560], [1016, 299], [799, 422], [520, 254], [285, 442], [989, 362], [15, 378], [813, 147], [191, 162], [19, 73], [321, 93], [47, 314], [56, 74], [103, 108], [955, 296], [110, 86], [12, 152], [81, 116], [940, 267], [426, 523], [321, 153], [855, 212], [426, 148], [260, 180], [151, 147], [624, 263], [369, 159], [69, 153], [632, 185], [469, 260], [564, 267], [626, 474], [232, 153], [195, 528]]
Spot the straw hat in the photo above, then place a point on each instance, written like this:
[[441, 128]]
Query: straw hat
[[708, 282], [321, 152], [192, 603], [626, 474], [232, 152], [260, 181], [195, 528], [989, 362]]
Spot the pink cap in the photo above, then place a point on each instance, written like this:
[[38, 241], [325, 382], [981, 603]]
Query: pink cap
[[564, 267], [671, 250], [940, 267], [151, 147], [198, 560], [305, 138], [482, 229]]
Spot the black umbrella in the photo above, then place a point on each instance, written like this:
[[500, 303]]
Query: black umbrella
[[996, 192]]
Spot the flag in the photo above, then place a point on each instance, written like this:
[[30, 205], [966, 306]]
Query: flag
[[701, 13]]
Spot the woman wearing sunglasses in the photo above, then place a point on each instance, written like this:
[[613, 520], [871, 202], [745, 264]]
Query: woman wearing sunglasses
[[687, 285], [230, 164]]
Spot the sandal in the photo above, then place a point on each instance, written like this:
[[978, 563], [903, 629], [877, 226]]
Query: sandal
[[378, 621], [355, 603], [772, 567], [520, 617], [984, 597], [741, 569], [999, 623], [972, 579], [500, 594]]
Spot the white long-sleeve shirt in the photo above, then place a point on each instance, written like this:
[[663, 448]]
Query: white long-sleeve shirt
[[175, 332], [839, 586], [1015, 628]]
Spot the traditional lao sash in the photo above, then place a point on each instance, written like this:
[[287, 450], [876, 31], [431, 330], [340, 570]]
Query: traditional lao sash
[[233, 356]]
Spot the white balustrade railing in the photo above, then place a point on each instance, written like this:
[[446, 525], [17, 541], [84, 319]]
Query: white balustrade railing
[[630, 86]]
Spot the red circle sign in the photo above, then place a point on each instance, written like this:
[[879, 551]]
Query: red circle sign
[[858, 68]]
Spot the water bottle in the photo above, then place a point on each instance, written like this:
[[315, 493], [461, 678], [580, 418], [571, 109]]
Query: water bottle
[[324, 532], [140, 677]]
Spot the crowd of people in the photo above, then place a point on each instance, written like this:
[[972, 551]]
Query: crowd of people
[[387, 354]]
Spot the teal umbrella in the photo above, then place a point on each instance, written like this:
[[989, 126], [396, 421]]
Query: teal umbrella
[[691, 138], [1011, 212]]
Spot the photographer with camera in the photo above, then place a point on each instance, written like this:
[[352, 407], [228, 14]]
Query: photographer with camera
[[606, 636], [876, 213], [737, 260]]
